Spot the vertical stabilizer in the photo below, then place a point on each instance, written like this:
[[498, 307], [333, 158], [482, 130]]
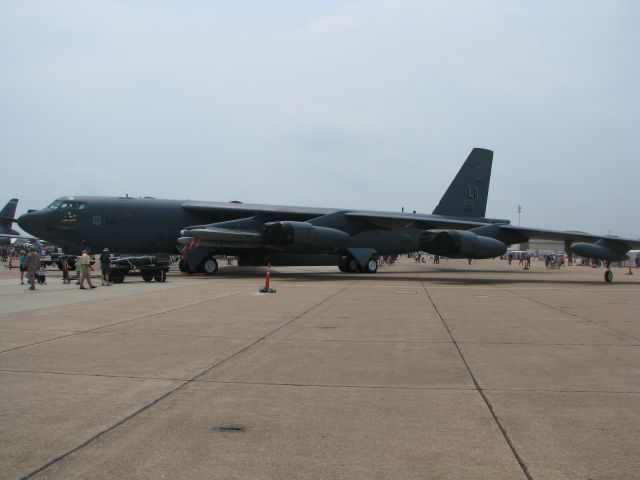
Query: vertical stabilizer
[[7, 217], [467, 194]]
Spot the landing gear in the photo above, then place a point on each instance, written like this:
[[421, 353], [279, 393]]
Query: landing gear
[[183, 266], [608, 276], [348, 264], [210, 265], [371, 266], [352, 265]]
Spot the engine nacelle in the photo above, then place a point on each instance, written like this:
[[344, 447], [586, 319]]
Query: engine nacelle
[[599, 250], [460, 244], [303, 234]]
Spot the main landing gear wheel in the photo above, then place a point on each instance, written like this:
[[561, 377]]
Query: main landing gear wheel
[[608, 276], [210, 266], [371, 266], [352, 265], [183, 266]]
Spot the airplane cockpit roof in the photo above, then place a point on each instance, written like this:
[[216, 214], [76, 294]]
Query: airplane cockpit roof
[[67, 203]]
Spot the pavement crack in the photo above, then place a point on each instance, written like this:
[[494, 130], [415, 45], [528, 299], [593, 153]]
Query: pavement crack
[[179, 387], [323, 385], [478, 388], [37, 343], [563, 310], [95, 330]]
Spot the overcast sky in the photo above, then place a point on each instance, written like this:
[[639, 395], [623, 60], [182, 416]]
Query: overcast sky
[[356, 104]]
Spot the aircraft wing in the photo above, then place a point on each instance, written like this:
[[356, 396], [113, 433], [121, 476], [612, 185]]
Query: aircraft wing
[[236, 208], [569, 236], [22, 237], [429, 222], [415, 220]]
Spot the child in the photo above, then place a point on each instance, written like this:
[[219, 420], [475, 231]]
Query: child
[[42, 275]]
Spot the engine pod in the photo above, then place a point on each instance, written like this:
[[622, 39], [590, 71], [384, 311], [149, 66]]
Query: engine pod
[[460, 244], [304, 234]]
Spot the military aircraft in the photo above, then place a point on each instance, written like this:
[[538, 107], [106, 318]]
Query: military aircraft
[[7, 217], [280, 235]]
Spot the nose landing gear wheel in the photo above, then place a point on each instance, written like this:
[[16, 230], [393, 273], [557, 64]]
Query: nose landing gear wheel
[[608, 276]]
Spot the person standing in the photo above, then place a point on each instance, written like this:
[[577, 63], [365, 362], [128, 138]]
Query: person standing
[[42, 274], [85, 265], [105, 266], [31, 265], [21, 257]]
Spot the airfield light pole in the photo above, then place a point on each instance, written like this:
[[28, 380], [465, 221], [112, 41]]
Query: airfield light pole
[[519, 212]]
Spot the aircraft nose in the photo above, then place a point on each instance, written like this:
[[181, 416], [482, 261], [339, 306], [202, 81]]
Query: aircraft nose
[[28, 222]]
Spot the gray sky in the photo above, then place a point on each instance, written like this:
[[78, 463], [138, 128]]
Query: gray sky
[[355, 104]]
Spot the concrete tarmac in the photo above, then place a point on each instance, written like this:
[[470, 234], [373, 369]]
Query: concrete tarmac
[[421, 371]]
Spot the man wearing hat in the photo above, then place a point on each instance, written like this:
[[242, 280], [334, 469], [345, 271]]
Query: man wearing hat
[[85, 265], [105, 266]]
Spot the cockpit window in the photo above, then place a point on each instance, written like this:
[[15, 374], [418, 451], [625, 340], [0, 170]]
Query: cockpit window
[[60, 204]]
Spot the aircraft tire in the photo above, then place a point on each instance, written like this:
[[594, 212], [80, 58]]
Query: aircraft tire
[[183, 266], [371, 266], [210, 265], [352, 265], [342, 264], [608, 276]]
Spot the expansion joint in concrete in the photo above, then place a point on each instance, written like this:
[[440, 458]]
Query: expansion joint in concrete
[[479, 389], [179, 387]]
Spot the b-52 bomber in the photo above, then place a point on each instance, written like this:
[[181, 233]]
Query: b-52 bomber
[[281, 235]]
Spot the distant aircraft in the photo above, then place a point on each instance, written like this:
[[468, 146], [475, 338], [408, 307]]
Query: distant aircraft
[[7, 217], [260, 234]]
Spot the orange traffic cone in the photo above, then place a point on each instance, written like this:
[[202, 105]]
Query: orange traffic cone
[[267, 280]]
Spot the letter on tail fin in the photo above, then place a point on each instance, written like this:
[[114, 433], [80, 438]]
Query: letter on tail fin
[[467, 194]]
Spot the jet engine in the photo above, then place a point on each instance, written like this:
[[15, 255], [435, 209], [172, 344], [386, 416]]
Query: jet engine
[[602, 250], [460, 244], [303, 234]]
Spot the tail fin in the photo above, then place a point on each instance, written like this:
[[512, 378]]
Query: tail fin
[[7, 215], [467, 194]]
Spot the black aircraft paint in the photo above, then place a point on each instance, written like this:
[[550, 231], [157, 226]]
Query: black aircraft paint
[[282, 235], [7, 217]]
